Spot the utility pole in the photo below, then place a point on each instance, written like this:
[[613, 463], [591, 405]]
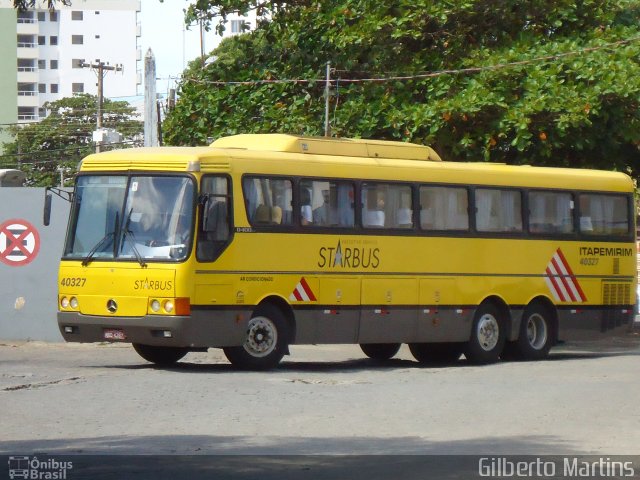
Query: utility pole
[[101, 70], [172, 99], [327, 91], [150, 109], [202, 42], [159, 124]]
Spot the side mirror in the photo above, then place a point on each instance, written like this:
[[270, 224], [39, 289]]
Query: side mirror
[[46, 217]]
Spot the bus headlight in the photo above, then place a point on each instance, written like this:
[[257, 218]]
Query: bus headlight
[[168, 306], [73, 303], [64, 302]]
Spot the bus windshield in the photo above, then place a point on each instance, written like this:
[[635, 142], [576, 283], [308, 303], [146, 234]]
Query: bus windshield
[[132, 218]]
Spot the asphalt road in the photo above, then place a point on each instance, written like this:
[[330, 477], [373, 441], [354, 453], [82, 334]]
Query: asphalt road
[[104, 399], [327, 413]]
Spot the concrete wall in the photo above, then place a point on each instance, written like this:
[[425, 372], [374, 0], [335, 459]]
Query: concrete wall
[[28, 281]]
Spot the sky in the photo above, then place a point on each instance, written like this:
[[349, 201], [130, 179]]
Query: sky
[[174, 46]]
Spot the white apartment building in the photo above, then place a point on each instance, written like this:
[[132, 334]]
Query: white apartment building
[[53, 49]]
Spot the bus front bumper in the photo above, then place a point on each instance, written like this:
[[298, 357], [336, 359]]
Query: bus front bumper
[[161, 330]]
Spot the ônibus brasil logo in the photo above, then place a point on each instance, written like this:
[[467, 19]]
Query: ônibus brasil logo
[[33, 468]]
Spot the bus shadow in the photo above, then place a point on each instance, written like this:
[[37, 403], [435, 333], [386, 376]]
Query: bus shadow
[[303, 366], [362, 364]]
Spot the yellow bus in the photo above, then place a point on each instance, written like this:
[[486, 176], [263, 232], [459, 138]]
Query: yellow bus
[[258, 242]]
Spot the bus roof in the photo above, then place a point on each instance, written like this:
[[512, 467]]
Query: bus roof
[[266, 153], [344, 147]]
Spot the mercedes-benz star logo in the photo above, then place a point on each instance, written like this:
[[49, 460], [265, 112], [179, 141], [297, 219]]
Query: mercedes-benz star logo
[[112, 306]]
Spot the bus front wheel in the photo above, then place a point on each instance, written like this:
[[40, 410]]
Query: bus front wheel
[[163, 356], [380, 351], [487, 336], [266, 341]]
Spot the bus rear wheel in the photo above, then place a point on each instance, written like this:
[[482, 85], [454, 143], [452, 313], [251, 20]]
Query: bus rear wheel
[[163, 356], [487, 336], [380, 351], [536, 335], [266, 341], [436, 353]]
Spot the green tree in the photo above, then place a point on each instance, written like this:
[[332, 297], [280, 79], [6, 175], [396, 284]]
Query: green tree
[[64, 137], [25, 4], [547, 82]]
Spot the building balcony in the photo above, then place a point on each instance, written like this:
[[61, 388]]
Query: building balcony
[[27, 74], [28, 98], [27, 27], [27, 114], [27, 51]]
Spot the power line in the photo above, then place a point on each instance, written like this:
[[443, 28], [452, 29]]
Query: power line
[[432, 74], [117, 111], [57, 150], [66, 127]]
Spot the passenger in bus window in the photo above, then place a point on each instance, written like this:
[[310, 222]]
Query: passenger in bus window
[[306, 214], [345, 205], [405, 213], [375, 217], [276, 215], [321, 214]]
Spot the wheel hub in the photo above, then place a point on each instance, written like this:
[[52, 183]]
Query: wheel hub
[[488, 332], [536, 331], [262, 337]]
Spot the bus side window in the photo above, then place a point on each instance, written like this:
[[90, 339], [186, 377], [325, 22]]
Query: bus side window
[[268, 201], [326, 203], [214, 231], [444, 208], [550, 212], [604, 214], [498, 210]]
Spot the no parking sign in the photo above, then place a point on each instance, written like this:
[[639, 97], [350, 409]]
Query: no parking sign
[[19, 242]]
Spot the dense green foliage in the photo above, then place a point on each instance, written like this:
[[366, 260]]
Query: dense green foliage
[[553, 82], [63, 138], [25, 4]]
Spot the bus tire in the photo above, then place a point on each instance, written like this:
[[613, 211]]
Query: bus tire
[[380, 351], [163, 356], [536, 335], [488, 336], [266, 343], [436, 353]]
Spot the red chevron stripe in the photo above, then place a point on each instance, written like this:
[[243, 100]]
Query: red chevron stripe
[[307, 289]]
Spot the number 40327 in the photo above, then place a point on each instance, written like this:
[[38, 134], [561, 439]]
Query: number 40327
[[73, 282]]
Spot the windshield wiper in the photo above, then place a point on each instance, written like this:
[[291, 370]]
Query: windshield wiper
[[127, 231], [103, 242]]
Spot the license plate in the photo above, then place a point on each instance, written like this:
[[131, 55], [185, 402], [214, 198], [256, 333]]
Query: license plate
[[114, 334]]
